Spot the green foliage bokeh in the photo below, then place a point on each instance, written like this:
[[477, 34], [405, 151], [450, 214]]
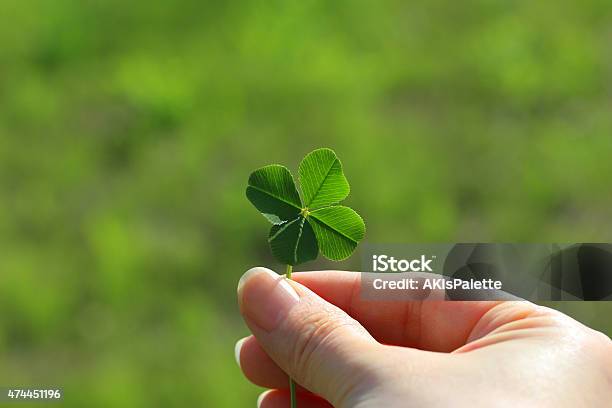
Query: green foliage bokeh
[[128, 131]]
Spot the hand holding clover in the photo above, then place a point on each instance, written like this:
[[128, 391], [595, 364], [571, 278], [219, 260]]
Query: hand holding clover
[[303, 225], [350, 352]]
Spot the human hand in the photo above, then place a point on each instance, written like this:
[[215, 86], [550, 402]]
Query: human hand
[[348, 352]]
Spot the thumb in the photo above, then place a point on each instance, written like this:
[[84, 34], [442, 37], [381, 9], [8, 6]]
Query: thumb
[[316, 343]]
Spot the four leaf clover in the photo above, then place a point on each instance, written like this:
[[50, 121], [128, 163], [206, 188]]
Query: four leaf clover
[[303, 225]]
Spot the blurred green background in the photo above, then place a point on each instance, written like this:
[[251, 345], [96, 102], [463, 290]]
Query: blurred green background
[[128, 131]]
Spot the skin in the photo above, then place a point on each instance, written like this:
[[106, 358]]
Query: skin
[[344, 351]]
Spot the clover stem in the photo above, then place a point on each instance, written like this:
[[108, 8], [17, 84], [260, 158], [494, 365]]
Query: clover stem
[[292, 393], [291, 383]]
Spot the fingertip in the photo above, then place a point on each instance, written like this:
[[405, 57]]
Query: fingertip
[[265, 297], [249, 273], [237, 349], [247, 276], [262, 397], [258, 367]]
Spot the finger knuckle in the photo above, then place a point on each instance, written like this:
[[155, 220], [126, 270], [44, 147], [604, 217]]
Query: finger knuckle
[[315, 340]]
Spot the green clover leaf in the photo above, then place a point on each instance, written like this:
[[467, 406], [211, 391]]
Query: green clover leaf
[[315, 221]]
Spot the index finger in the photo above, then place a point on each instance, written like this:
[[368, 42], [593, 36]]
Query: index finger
[[434, 325]]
